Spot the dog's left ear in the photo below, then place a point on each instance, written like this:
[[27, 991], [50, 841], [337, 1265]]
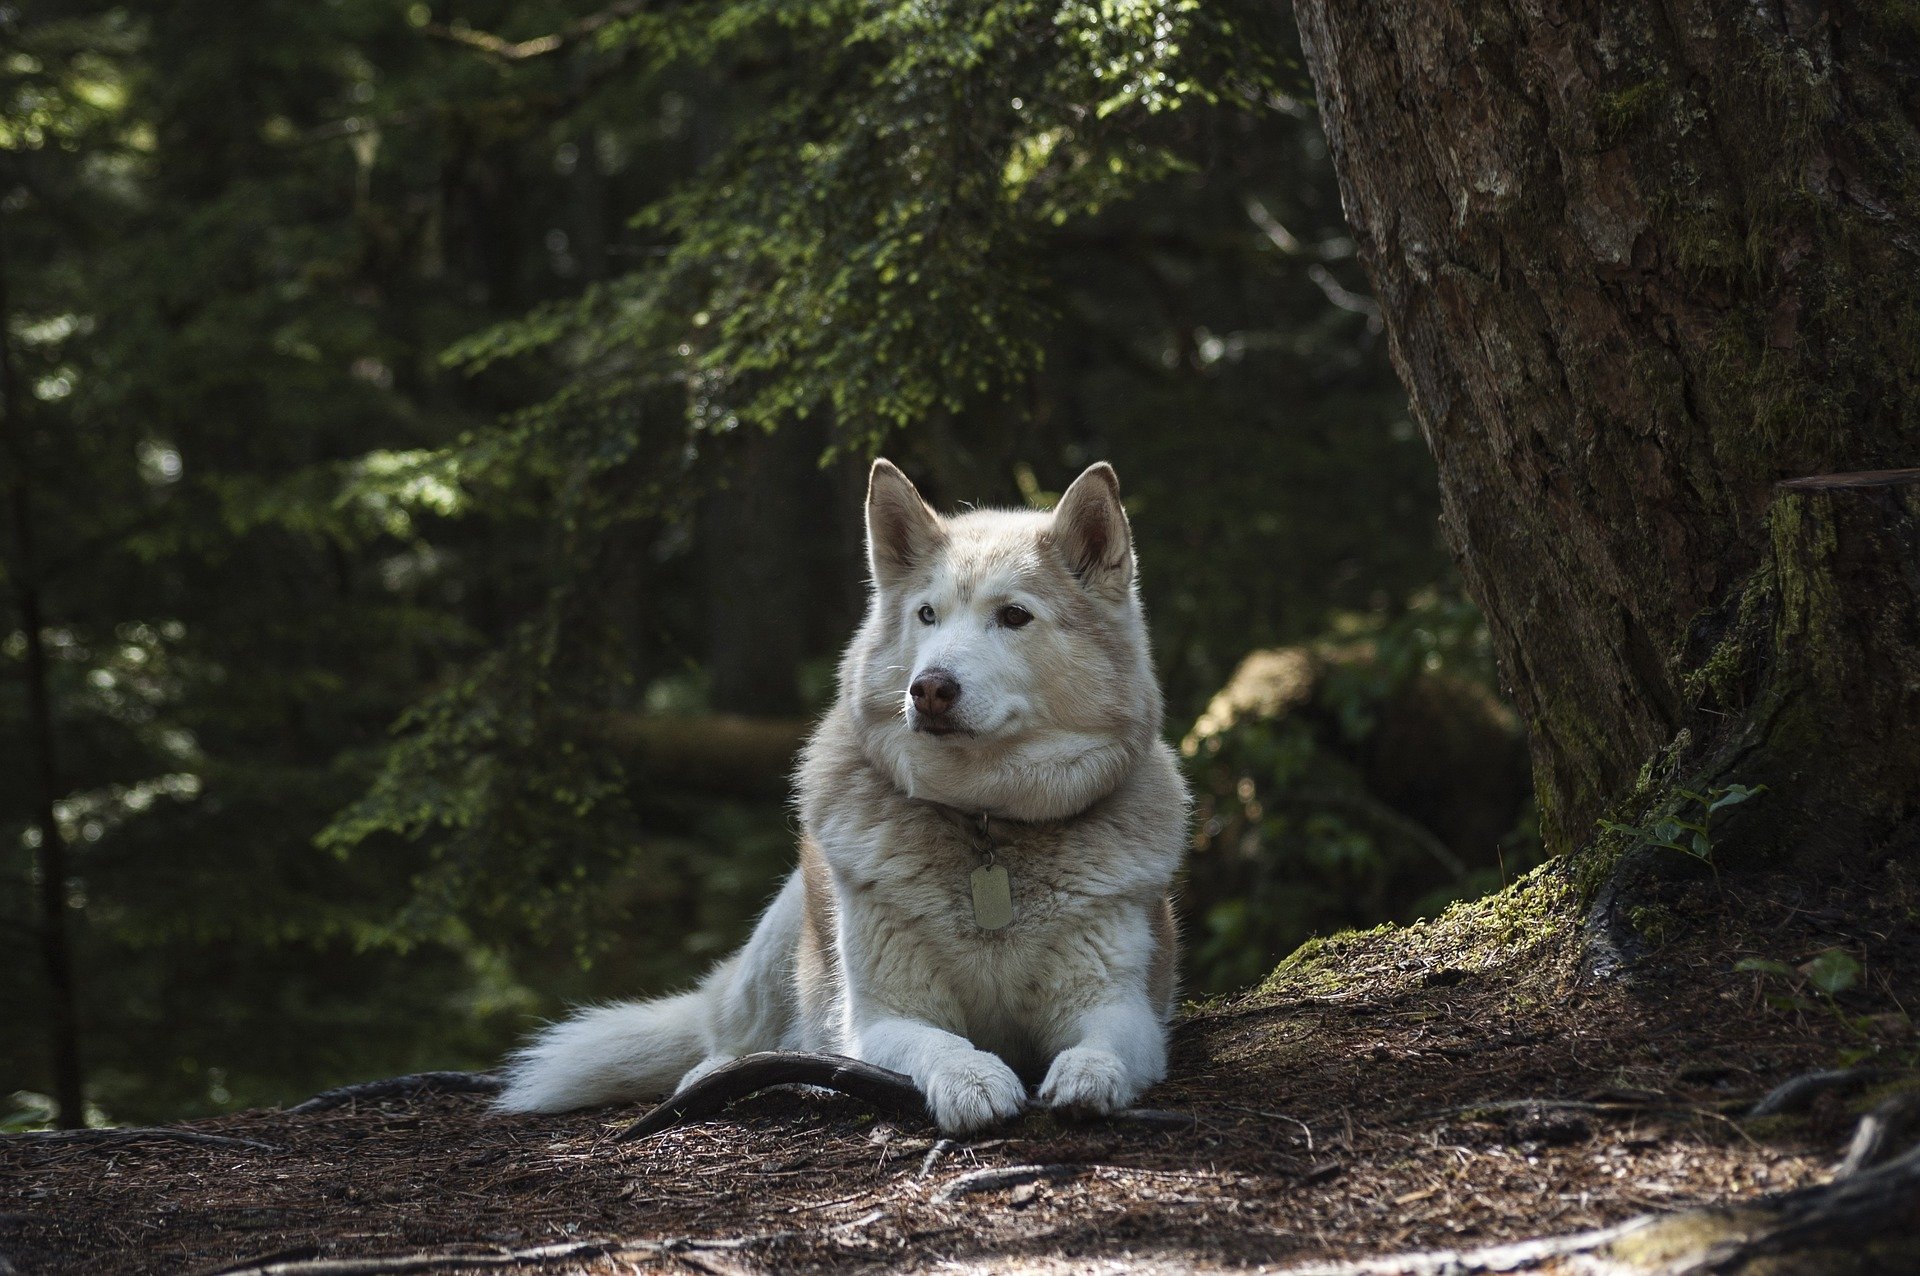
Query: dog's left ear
[[1090, 532]]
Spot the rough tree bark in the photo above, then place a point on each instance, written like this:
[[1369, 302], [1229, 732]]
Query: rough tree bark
[[1639, 264]]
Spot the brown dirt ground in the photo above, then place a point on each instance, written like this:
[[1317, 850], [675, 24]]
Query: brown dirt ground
[[1340, 1110]]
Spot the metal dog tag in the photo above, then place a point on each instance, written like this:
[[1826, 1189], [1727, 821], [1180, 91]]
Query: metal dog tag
[[992, 897]]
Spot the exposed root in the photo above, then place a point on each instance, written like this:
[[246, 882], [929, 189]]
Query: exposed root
[[1880, 1132], [1795, 1095]]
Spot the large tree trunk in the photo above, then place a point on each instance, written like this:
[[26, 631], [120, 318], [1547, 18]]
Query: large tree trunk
[[1639, 264]]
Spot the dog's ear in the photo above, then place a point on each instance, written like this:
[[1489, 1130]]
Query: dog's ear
[[1091, 534], [902, 530]]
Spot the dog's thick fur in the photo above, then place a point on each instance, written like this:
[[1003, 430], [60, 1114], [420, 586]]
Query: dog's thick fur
[[1048, 757]]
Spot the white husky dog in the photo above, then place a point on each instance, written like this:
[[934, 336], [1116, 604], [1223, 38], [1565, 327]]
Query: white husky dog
[[990, 829]]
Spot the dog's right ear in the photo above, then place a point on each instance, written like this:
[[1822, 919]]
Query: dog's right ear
[[902, 529]]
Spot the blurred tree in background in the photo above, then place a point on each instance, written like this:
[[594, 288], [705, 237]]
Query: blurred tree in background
[[435, 458]]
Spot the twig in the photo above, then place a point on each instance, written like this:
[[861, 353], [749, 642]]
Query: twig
[[940, 1148], [423, 1261], [412, 1086], [1274, 1116], [143, 1134], [428, 1260], [520, 50], [1548, 1105], [1007, 1176]]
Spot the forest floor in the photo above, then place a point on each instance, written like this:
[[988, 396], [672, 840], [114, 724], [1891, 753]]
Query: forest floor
[[1443, 1086]]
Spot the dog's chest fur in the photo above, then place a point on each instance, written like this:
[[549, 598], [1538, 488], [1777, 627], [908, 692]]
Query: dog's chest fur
[[893, 884]]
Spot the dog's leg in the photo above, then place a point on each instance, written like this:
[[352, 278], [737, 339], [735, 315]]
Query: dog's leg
[[966, 1089], [1112, 1052]]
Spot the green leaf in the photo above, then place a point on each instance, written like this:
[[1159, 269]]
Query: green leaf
[[1833, 971], [1733, 795], [1766, 966]]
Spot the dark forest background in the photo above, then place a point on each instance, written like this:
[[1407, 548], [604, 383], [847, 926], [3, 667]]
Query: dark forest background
[[434, 444]]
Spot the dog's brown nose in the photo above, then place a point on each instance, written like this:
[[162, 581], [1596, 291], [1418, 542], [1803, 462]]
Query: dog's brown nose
[[934, 692]]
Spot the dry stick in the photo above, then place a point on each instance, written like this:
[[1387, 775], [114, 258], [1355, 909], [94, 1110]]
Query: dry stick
[[940, 1148], [411, 1086], [420, 1262]]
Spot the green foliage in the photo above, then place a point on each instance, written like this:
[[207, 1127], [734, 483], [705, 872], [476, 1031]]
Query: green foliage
[[394, 406], [1691, 837], [871, 241], [1820, 985]]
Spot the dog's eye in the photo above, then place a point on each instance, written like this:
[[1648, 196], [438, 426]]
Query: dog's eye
[[926, 613], [1013, 615]]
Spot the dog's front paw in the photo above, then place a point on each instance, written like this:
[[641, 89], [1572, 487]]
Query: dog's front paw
[[974, 1092], [1089, 1082]]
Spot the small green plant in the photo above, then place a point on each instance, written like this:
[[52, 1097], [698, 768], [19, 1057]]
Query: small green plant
[[1816, 985], [1690, 837]]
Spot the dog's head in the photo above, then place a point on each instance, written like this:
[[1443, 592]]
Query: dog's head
[[1003, 665]]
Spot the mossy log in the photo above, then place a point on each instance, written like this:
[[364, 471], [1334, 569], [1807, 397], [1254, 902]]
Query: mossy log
[[727, 754]]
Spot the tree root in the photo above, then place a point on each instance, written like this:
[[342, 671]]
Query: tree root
[[1880, 1132], [1796, 1094], [411, 1086]]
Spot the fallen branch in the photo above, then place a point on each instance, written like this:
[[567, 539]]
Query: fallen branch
[[142, 1134], [412, 1086], [891, 1092]]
